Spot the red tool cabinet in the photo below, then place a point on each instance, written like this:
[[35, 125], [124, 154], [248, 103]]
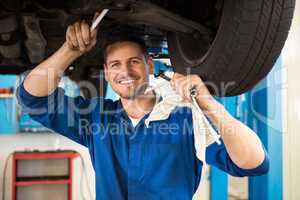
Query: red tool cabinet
[[38, 180]]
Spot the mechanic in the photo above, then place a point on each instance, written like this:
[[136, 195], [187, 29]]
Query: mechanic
[[130, 160]]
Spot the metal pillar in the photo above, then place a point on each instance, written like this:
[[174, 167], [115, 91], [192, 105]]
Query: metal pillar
[[219, 179], [261, 110], [265, 117]]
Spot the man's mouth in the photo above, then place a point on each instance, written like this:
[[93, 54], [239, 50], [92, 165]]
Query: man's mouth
[[127, 82]]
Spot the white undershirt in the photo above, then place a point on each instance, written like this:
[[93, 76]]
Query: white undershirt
[[134, 121]]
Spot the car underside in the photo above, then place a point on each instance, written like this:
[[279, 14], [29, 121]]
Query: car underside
[[35, 29], [196, 32]]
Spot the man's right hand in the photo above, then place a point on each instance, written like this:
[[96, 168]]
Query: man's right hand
[[79, 37], [44, 78]]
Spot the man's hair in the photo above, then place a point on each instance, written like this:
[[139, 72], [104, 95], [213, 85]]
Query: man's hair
[[124, 37]]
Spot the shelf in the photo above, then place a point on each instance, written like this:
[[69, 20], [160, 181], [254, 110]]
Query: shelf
[[6, 96], [42, 182], [40, 178], [45, 155], [63, 179]]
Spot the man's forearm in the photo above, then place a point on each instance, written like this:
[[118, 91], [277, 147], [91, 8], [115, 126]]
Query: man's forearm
[[44, 78], [242, 144]]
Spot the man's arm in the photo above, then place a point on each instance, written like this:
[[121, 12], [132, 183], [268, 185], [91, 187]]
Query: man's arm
[[44, 79], [242, 144], [44, 102]]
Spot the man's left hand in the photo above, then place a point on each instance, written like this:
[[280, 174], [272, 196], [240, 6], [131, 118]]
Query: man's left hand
[[183, 85]]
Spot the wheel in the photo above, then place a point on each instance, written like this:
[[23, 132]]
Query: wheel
[[248, 41]]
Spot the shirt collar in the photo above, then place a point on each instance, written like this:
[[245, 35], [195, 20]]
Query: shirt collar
[[123, 114]]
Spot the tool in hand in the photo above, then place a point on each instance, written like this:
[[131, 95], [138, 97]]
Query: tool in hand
[[99, 19], [161, 74], [193, 93], [193, 89]]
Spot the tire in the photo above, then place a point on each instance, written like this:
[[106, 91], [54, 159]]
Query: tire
[[249, 39]]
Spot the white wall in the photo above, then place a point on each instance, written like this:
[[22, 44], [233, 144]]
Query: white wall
[[45, 142], [291, 137], [203, 191]]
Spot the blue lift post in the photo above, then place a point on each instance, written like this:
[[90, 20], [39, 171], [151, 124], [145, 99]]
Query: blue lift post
[[265, 115], [8, 112], [261, 110], [218, 178]]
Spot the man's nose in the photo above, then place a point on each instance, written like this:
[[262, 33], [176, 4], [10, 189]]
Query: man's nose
[[127, 68]]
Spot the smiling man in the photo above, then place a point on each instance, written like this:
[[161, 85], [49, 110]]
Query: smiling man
[[130, 160]]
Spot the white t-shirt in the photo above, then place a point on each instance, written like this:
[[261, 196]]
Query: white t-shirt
[[134, 121]]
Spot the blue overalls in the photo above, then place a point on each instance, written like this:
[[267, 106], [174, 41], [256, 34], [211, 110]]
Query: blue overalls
[[135, 163]]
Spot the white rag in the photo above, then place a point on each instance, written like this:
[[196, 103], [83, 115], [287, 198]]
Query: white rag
[[204, 133]]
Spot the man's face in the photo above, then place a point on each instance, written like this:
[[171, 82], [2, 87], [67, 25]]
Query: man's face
[[127, 69]]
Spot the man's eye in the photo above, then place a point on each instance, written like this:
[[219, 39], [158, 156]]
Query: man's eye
[[114, 65], [135, 61]]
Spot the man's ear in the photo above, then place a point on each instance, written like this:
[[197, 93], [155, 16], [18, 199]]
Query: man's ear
[[151, 65], [105, 72]]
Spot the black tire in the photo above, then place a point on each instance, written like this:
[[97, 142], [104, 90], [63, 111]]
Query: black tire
[[249, 39]]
